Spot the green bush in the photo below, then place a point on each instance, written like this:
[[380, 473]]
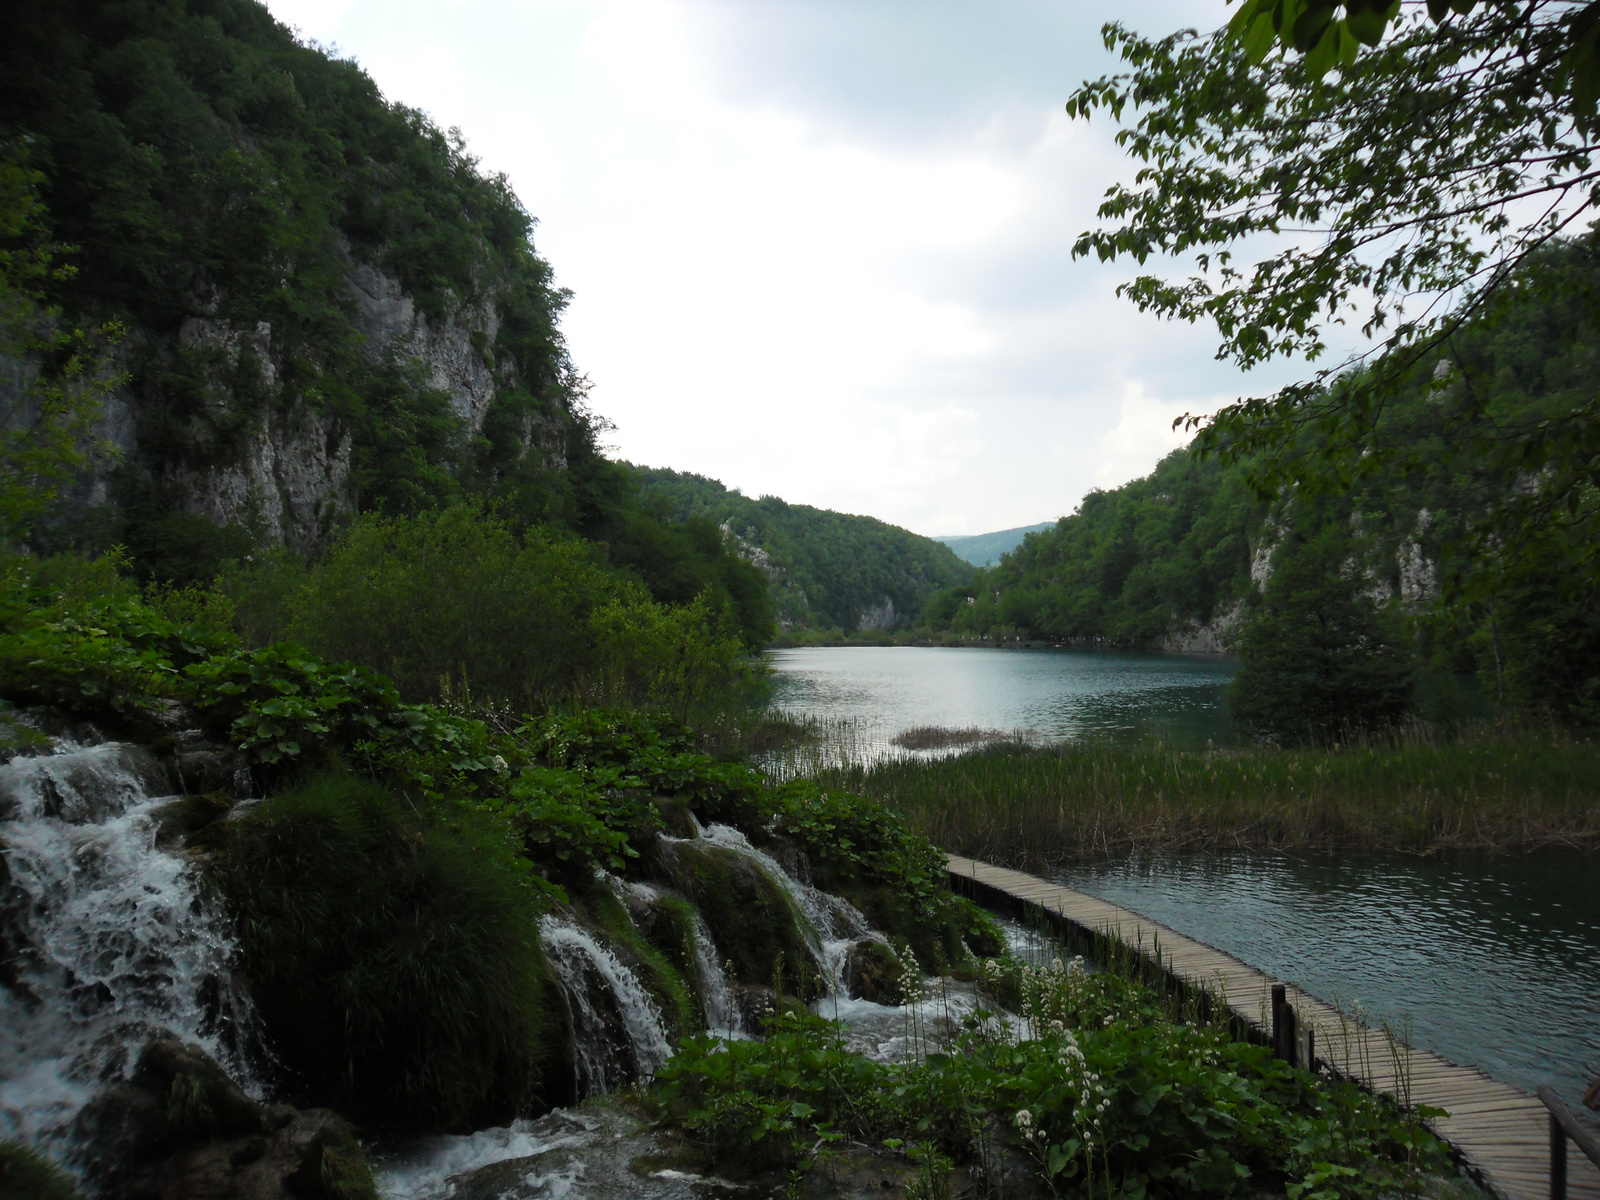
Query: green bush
[[394, 955], [453, 604], [1111, 1096]]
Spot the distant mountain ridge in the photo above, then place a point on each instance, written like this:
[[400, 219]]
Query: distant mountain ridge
[[986, 549], [826, 570]]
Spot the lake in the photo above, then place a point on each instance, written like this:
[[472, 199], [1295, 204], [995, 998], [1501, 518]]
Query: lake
[[1496, 962], [1053, 694]]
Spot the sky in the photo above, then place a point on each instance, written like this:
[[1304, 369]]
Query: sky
[[821, 249]]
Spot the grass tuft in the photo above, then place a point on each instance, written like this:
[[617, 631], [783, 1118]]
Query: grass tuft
[[395, 957]]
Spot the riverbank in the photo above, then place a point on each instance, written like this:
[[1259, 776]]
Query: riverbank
[[1037, 808]]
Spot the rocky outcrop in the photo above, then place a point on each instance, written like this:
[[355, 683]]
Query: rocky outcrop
[[1204, 637], [879, 616], [873, 971], [449, 348], [285, 473], [180, 1129]]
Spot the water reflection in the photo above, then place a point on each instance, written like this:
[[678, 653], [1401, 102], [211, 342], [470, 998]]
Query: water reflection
[[1052, 693], [1496, 961]]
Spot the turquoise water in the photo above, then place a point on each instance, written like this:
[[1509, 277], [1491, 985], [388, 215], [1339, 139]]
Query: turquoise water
[[1050, 693], [1494, 961]]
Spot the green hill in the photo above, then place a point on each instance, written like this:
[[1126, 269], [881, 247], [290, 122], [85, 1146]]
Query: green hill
[[326, 308], [827, 570], [1178, 560], [986, 549]]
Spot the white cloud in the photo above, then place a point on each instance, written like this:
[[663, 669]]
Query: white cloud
[[1142, 436], [878, 315]]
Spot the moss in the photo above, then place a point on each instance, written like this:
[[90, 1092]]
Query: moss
[[339, 1171], [873, 971], [27, 1175], [938, 944], [395, 958], [752, 920], [665, 981]]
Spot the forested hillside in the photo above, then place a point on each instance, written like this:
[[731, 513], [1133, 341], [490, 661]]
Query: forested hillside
[[300, 302], [1180, 558], [827, 570]]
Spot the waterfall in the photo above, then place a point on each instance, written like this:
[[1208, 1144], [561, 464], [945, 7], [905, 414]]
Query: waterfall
[[834, 921], [105, 938], [581, 962], [716, 996]]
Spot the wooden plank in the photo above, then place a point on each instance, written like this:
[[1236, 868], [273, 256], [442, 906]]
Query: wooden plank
[[1500, 1130]]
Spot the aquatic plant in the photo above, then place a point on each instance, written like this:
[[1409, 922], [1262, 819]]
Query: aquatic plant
[[1032, 808]]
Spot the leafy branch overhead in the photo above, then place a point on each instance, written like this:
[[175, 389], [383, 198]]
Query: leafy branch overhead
[[1419, 187]]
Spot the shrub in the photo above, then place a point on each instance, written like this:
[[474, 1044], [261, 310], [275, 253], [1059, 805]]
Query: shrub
[[394, 955], [453, 604]]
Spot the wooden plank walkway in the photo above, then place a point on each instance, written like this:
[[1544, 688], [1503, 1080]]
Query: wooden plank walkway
[[1501, 1131]]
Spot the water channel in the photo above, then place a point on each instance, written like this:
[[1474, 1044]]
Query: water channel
[[1493, 961]]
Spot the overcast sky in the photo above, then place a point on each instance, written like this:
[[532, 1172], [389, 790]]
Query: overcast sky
[[822, 248]]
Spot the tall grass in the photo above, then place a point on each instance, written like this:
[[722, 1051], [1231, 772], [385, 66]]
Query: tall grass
[[1034, 808]]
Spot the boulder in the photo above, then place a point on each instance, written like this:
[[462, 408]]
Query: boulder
[[872, 971], [181, 1128]]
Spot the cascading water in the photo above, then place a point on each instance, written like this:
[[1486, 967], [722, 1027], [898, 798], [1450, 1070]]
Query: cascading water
[[585, 967], [716, 995], [834, 920], [105, 938]]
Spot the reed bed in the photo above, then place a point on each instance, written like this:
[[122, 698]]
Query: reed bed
[[1034, 808]]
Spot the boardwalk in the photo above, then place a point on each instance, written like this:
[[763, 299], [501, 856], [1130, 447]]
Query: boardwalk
[[1501, 1131]]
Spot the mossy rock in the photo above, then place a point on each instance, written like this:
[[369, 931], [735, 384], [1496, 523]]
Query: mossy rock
[[191, 816], [873, 971], [27, 1175], [940, 943], [752, 920], [395, 958], [658, 966]]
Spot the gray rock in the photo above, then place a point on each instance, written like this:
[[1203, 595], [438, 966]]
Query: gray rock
[[181, 1129]]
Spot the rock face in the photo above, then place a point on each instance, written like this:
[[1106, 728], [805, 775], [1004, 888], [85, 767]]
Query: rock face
[[180, 1129], [287, 474], [1207, 637], [872, 971]]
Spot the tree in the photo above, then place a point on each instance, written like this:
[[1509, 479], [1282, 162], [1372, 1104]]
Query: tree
[[58, 373], [1320, 657], [1412, 187], [1430, 186]]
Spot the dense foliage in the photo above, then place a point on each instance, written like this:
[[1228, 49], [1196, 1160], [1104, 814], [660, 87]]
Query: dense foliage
[[1145, 563], [1124, 569], [1433, 186], [52, 399], [1320, 658], [388, 890], [1111, 1095], [215, 177], [455, 604], [237, 206], [827, 570]]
